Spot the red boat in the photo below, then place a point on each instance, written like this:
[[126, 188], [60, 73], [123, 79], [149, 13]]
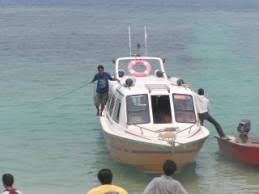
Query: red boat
[[242, 147]]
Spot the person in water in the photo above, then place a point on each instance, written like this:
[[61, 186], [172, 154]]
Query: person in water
[[202, 104], [102, 88], [8, 181], [105, 177], [165, 184]]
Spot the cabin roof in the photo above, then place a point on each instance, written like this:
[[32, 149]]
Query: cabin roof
[[152, 85]]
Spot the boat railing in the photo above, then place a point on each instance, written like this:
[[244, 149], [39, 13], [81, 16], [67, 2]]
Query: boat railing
[[168, 134], [189, 127], [158, 131], [167, 129]]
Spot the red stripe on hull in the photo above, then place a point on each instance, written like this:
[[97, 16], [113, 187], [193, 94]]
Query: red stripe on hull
[[247, 153]]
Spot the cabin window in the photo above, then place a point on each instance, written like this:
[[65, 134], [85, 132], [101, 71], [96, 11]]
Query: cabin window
[[108, 102], [111, 105], [161, 109], [184, 109], [116, 114], [138, 109]]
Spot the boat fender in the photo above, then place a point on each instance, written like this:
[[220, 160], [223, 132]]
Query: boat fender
[[129, 82], [144, 63], [176, 81], [121, 73], [159, 73]]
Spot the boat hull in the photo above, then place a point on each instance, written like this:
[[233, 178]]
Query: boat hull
[[247, 153], [150, 157]]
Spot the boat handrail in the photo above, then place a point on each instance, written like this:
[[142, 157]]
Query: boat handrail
[[166, 129], [171, 142], [189, 127], [158, 131]]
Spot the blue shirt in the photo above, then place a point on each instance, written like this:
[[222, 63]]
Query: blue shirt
[[102, 82]]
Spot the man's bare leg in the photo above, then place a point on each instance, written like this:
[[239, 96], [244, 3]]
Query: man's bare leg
[[97, 112], [102, 108]]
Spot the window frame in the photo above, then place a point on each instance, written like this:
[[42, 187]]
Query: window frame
[[147, 106], [117, 108], [113, 100], [175, 110]]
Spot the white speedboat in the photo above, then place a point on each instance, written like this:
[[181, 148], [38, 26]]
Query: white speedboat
[[150, 118]]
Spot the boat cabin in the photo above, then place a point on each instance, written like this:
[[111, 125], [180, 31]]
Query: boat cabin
[[147, 97]]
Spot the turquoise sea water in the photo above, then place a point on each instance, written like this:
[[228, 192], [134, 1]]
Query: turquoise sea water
[[50, 138]]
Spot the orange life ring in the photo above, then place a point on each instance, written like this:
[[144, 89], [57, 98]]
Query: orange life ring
[[144, 73]]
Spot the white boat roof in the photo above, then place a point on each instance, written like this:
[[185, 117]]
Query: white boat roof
[[146, 84], [152, 85]]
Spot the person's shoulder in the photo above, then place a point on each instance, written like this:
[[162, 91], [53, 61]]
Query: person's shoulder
[[7, 192], [119, 189], [179, 185], [107, 74], [155, 180], [177, 182], [94, 190]]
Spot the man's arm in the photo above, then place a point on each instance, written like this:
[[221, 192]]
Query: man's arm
[[113, 79], [150, 188], [180, 189], [94, 79]]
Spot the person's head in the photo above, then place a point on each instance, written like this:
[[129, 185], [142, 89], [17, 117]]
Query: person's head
[[100, 69], [7, 180], [201, 91], [105, 176], [169, 167]]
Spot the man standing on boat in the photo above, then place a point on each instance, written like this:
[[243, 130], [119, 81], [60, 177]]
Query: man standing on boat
[[202, 104], [102, 88]]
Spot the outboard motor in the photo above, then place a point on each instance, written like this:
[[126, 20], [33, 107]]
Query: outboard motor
[[244, 127]]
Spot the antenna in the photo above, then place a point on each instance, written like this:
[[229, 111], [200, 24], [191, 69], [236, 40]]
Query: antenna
[[129, 32], [138, 48], [145, 34]]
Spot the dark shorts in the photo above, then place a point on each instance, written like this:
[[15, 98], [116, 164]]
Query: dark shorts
[[101, 98]]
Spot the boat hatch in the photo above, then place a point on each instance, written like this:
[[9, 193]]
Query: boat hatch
[[152, 87], [161, 109]]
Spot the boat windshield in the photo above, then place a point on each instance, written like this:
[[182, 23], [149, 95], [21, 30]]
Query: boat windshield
[[137, 109], [184, 109], [134, 67]]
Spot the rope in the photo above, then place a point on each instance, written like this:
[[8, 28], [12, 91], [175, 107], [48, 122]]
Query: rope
[[62, 95], [51, 99]]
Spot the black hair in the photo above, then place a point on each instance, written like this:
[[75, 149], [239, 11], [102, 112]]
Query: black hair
[[105, 176], [7, 180], [100, 67], [169, 167], [201, 91]]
